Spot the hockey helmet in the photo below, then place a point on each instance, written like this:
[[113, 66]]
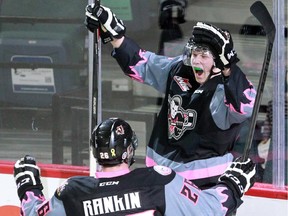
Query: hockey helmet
[[110, 141]]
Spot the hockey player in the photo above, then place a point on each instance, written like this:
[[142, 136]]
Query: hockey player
[[207, 96], [118, 190]]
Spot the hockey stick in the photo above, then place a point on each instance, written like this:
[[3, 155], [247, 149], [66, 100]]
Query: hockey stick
[[95, 95], [95, 77], [259, 10]]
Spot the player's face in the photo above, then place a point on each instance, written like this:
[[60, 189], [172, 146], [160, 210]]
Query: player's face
[[202, 63]]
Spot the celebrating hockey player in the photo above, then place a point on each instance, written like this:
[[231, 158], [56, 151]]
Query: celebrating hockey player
[[207, 96], [117, 190]]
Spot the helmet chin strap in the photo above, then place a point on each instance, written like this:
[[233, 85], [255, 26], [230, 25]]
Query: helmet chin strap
[[215, 70], [132, 161], [129, 161]]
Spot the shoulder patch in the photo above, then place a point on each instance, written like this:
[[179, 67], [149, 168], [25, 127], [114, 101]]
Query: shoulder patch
[[61, 188], [162, 170]]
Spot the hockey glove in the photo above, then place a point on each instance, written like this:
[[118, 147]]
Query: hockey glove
[[219, 41], [111, 26], [240, 176], [27, 175], [92, 25]]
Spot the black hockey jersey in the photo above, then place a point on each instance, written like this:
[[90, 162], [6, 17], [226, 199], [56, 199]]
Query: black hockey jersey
[[150, 191], [197, 125]]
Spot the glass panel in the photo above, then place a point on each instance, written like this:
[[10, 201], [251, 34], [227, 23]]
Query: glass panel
[[44, 67], [43, 82], [277, 106], [130, 97]]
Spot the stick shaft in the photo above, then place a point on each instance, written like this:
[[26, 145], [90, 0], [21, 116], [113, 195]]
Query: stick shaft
[[259, 10], [95, 78]]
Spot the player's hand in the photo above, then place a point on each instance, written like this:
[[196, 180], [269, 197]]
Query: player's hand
[[240, 176], [91, 22], [219, 41], [110, 26], [27, 175]]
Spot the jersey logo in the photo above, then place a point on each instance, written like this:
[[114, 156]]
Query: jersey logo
[[179, 120], [108, 183], [61, 188], [182, 83], [162, 170], [198, 91]]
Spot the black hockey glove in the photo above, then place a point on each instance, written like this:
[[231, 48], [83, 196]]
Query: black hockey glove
[[92, 25], [219, 41], [111, 26], [240, 176], [27, 175]]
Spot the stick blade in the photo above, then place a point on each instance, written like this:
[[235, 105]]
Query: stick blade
[[259, 10]]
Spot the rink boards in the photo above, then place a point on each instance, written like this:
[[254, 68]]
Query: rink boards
[[262, 199]]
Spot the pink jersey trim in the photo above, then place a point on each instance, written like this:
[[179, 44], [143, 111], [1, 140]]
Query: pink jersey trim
[[146, 213], [224, 198], [136, 75], [111, 174], [205, 172], [199, 173], [150, 162]]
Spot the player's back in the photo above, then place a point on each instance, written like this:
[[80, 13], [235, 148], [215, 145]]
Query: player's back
[[141, 190]]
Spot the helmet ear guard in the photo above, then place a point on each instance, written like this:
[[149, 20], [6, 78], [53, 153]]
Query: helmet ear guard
[[110, 141]]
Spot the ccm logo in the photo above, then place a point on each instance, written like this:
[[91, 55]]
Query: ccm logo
[[199, 91], [109, 183]]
